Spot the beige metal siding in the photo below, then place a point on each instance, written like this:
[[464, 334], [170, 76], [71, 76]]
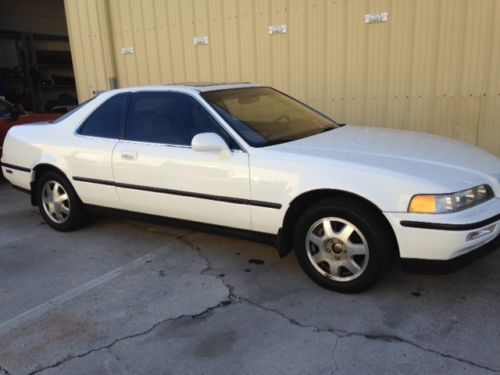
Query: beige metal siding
[[433, 67], [89, 33]]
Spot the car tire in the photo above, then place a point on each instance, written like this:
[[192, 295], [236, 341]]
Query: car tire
[[58, 202], [343, 244]]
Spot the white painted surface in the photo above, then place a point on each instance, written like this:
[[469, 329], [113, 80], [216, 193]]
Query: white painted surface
[[386, 167]]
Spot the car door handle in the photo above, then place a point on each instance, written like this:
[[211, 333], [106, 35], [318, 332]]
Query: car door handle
[[129, 155]]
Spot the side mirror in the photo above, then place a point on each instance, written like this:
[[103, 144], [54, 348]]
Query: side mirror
[[210, 142]]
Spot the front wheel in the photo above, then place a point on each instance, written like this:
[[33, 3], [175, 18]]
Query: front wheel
[[58, 202], [342, 244]]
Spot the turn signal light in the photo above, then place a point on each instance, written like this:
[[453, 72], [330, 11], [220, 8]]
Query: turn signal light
[[423, 204]]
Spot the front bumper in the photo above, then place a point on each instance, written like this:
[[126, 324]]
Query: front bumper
[[427, 266], [445, 236]]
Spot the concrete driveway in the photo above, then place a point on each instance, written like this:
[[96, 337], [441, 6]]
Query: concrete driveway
[[129, 297]]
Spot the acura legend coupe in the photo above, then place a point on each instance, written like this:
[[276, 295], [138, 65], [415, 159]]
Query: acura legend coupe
[[247, 157]]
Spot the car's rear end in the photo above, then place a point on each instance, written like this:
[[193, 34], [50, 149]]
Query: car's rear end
[[26, 119], [21, 152]]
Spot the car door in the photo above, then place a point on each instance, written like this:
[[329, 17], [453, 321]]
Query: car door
[[93, 144], [157, 172]]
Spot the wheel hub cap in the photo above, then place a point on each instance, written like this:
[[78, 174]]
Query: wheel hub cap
[[334, 245]]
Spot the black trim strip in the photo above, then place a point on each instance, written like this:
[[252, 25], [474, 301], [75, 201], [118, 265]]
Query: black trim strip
[[94, 181], [181, 193], [16, 167], [455, 227]]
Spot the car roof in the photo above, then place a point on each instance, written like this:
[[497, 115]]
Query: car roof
[[213, 86], [192, 86]]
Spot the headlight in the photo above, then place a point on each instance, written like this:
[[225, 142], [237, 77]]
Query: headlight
[[444, 203]]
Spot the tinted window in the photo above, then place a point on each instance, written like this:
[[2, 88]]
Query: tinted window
[[169, 118], [263, 116], [69, 113], [5, 109], [106, 121]]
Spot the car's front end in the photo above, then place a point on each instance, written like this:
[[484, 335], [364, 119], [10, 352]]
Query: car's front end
[[444, 227], [441, 197], [445, 236]]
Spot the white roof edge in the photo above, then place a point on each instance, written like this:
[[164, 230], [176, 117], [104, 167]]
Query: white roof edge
[[187, 87]]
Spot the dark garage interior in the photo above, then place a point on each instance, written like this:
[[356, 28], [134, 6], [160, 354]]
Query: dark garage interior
[[36, 70]]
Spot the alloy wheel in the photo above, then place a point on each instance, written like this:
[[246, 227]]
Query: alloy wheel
[[337, 249], [55, 201]]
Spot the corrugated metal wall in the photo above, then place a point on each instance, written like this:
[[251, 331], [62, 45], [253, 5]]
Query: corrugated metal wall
[[434, 66]]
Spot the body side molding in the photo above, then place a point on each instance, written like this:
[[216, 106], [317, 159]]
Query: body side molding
[[181, 193]]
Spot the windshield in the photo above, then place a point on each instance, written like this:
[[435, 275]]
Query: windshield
[[5, 108], [263, 116]]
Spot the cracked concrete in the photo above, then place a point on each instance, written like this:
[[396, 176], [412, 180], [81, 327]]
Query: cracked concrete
[[226, 340], [342, 334], [4, 371], [133, 297], [108, 347]]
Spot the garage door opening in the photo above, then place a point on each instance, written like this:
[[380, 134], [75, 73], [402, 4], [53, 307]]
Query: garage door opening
[[36, 69]]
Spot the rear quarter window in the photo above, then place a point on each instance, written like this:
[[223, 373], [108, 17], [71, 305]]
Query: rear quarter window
[[106, 121]]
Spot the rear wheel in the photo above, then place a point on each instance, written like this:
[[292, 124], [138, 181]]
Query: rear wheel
[[342, 244], [58, 202]]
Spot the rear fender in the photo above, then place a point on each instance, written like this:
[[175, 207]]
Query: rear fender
[[46, 163]]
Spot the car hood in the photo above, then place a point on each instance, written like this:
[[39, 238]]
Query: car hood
[[442, 160]]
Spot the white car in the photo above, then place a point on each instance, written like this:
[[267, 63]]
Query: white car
[[250, 158]]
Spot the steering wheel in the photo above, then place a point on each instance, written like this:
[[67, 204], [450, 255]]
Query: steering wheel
[[284, 118], [280, 118]]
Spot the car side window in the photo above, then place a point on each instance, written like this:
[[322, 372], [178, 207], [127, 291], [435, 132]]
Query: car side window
[[5, 109], [106, 120], [169, 118]]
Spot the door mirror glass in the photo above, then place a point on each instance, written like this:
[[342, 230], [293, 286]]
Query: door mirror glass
[[209, 142]]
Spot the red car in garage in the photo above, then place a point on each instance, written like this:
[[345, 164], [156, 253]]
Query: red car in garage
[[11, 115]]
